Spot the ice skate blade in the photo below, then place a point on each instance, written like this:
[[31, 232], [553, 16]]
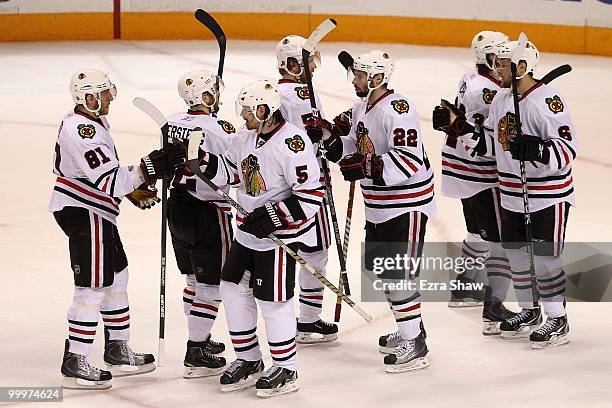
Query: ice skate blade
[[542, 345], [416, 364], [201, 372], [73, 383], [490, 328], [521, 333], [241, 385], [126, 370], [274, 392], [464, 303], [313, 338]]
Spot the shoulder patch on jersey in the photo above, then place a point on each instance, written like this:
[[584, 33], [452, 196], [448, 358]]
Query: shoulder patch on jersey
[[295, 143], [364, 143], [254, 183], [86, 131], [488, 95], [400, 106], [554, 104], [302, 92], [506, 130], [227, 127]]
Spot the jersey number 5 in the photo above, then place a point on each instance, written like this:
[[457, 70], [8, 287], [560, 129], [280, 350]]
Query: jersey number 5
[[92, 157], [403, 138], [300, 172]]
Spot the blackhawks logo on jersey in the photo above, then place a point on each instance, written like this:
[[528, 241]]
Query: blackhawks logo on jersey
[[506, 130], [364, 143], [295, 143], [227, 127], [302, 92], [254, 183], [488, 95], [86, 131], [400, 106], [554, 104]]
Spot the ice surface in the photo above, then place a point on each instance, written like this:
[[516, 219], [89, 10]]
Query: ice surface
[[467, 369]]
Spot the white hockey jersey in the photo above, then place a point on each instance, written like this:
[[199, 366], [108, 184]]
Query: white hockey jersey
[[88, 170], [218, 136], [390, 128], [295, 105], [281, 166], [543, 114], [463, 175]]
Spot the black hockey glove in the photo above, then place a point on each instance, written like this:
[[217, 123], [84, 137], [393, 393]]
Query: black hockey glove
[[264, 220], [144, 197], [317, 129], [357, 166], [529, 148], [441, 118], [161, 163]]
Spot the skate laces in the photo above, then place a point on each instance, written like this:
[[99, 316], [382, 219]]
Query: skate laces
[[236, 364], [393, 336], [520, 316], [127, 351], [405, 347], [271, 372], [85, 366], [548, 326]]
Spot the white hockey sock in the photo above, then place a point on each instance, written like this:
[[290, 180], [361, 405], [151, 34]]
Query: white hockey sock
[[406, 308], [115, 308], [83, 319], [203, 311], [280, 329], [551, 284], [189, 293], [498, 272], [241, 316], [311, 291], [474, 248], [521, 276]]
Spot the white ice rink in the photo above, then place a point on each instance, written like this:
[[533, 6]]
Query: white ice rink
[[466, 369]]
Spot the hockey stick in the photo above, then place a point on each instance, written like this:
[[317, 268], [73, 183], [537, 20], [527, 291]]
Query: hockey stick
[[142, 103], [516, 57], [317, 35], [556, 73], [209, 22], [195, 138], [347, 62]]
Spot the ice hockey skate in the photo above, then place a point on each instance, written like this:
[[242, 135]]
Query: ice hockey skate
[[276, 381], [493, 313], [389, 342], [551, 334], [410, 355], [241, 374], [317, 332], [521, 325], [213, 347], [78, 374], [200, 363], [465, 296], [121, 361]]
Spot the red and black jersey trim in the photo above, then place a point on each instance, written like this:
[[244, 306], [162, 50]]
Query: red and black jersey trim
[[401, 205], [470, 178], [399, 188], [470, 162], [534, 195], [565, 176], [86, 201], [297, 233], [295, 209]]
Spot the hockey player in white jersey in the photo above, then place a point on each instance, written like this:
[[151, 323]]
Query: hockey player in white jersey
[[280, 188], [85, 203], [547, 148], [384, 151], [200, 221], [474, 181], [295, 109]]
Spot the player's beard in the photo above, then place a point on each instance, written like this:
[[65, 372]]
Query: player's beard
[[361, 93]]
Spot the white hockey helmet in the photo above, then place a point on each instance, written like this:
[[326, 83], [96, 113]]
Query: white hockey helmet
[[193, 84], [92, 82], [262, 92], [486, 42], [291, 46], [373, 63], [530, 55]]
